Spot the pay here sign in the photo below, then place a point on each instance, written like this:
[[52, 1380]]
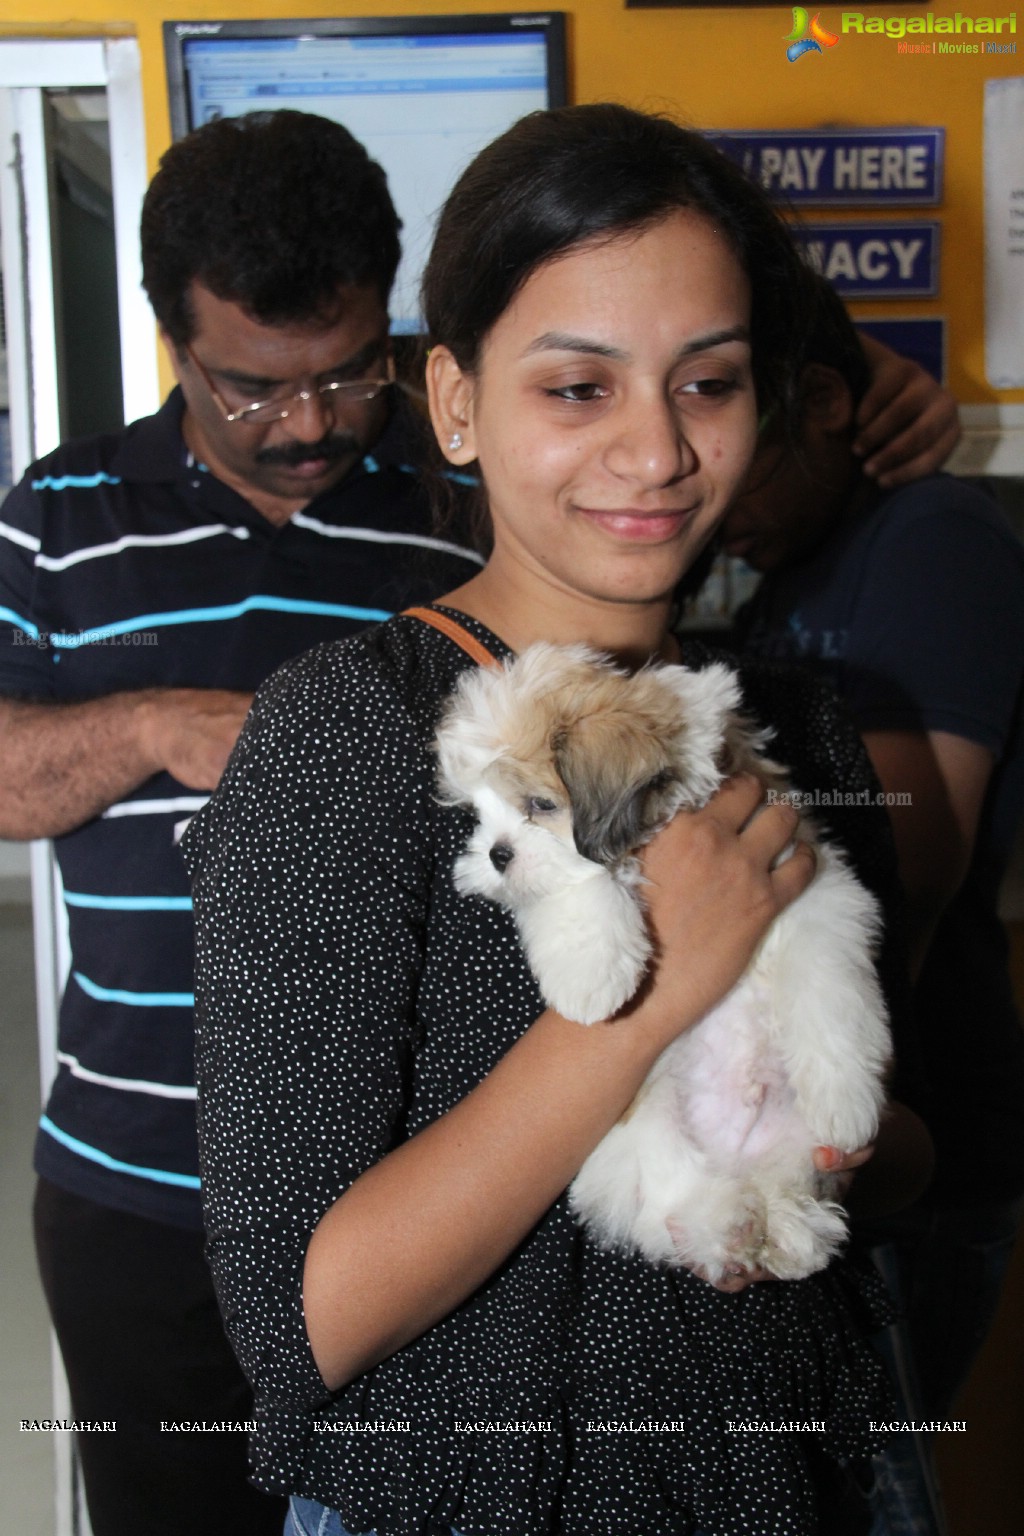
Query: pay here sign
[[837, 167]]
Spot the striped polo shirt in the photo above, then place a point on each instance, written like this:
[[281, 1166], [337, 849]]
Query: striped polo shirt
[[126, 565]]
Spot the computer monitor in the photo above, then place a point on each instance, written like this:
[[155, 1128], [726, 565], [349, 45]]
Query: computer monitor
[[423, 93]]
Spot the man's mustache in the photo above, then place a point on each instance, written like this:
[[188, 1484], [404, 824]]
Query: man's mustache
[[336, 445]]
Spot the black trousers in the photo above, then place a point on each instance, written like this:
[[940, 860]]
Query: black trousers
[[135, 1314]]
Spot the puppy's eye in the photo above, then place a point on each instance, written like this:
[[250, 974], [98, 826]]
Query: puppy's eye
[[535, 806]]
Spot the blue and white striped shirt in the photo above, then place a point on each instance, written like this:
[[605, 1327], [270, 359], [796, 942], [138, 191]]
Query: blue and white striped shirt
[[124, 565]]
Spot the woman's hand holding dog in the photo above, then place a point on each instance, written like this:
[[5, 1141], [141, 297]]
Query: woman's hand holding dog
[[712, 894], [713, 891]]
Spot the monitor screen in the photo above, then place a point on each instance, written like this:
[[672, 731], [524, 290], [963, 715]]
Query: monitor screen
[[423, 93]]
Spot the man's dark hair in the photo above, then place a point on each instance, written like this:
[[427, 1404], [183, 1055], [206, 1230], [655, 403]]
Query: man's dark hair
[[275, 211]]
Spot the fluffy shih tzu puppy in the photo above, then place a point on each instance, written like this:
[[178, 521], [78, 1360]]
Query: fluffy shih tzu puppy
[[571, 766]]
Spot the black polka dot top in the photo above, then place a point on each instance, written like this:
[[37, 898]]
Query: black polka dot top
[[346, 997]]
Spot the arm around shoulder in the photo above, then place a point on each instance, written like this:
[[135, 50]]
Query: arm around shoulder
[[908, 424]]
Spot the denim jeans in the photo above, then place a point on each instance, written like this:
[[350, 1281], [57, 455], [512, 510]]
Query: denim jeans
[[306, 1518]]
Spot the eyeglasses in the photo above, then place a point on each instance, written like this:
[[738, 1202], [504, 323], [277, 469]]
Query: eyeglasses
[[335, 392]]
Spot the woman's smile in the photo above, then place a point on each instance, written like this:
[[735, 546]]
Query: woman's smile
[[633, 524]]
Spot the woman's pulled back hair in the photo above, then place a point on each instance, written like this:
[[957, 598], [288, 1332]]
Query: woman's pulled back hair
[[832, 339], [275, 211], [572, 175]]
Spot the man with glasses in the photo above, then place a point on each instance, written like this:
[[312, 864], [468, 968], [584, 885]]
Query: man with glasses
[[149, 581]]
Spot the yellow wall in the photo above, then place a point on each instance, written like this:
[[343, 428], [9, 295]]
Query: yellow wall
[[718, 67]]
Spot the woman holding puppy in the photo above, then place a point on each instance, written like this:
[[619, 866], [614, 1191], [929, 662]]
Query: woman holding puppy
[[389, 1115]]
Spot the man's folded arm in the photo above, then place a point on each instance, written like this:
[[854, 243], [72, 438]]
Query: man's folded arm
[[63, 764]]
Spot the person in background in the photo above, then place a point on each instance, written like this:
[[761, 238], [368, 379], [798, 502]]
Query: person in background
[[911, 602], [149, 581]]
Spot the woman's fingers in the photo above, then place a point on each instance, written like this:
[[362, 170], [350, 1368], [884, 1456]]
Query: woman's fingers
[[794, 874], [715, 880], [736, 801], [835, 1160], [843, 1164], [768, 833]]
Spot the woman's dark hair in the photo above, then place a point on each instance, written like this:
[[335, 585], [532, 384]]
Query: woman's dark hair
[[832, 339], [575, 174], [274, 210]]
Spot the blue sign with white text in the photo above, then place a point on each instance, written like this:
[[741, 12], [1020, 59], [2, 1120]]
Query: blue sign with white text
[[874, 261], [923, 339], [836, 167]]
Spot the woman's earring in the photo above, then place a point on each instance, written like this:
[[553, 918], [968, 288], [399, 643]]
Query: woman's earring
[[455, 442]]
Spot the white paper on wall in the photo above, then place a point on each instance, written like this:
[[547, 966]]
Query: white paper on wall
[[1004, 233]]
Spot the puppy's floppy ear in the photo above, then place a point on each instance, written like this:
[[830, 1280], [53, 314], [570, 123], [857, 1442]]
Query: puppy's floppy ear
[[605, 833], [610, 815]]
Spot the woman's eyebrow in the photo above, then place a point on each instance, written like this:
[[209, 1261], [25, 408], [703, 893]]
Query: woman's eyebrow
[[564, 341], [715, 339]]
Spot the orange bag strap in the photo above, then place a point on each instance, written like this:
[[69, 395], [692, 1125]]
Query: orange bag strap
[[455, 632]]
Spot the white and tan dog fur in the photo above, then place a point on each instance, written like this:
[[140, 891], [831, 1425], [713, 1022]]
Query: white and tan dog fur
[[571, 765]]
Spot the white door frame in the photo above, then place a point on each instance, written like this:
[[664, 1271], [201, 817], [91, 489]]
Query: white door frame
[[28, 67]]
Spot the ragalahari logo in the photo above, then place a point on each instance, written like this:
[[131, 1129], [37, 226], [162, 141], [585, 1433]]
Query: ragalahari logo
[[807, 36]]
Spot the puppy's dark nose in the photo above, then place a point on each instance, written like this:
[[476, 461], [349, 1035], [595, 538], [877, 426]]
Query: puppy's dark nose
[[501, 856]]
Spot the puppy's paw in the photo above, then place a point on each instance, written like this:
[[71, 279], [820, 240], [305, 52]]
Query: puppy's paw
[[600, 997], [585, 968], [802, 1235], [849, 1124], [724, 1254]]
